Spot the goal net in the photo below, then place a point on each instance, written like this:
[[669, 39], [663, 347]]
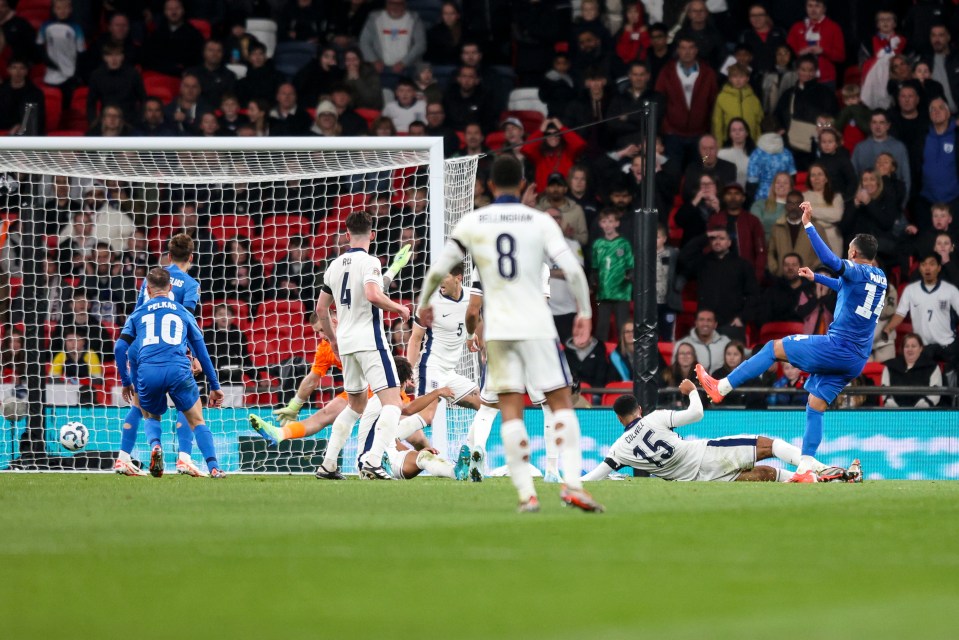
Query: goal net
[[83, 220]]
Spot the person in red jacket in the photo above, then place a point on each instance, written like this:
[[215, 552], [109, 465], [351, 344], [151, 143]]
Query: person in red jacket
[[689, 85], [745, 230], [555, 150], [633, 40], [821, 37]]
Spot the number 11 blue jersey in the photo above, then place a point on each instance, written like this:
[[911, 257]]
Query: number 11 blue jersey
[[862, 294]]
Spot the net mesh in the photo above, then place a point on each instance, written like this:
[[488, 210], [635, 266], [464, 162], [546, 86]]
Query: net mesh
[[82, 228]]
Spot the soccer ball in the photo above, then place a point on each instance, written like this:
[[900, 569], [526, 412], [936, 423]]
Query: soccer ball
[[73, 436]]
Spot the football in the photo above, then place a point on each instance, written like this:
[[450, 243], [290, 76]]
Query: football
[[73, 436]]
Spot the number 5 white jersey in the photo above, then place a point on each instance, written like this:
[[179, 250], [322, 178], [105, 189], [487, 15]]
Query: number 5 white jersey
[[360, 325], [509, 243], [443, 343]]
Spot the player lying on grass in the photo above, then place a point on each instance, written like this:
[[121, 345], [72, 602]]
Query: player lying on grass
[[160, 331], [833, 359], [651, 444]]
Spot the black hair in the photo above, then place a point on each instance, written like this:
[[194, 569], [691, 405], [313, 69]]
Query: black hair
[[868, 246], [625, 406], [403, 368], [507, 172], [359, 223], [933, 255]]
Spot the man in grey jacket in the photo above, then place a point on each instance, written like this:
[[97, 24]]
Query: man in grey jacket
[[865, 154], [709, 344]]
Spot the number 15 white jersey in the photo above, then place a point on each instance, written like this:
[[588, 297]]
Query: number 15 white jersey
[[360, 325], [509, 243]]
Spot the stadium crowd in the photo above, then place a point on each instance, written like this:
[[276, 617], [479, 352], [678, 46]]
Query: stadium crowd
[[762, 105]]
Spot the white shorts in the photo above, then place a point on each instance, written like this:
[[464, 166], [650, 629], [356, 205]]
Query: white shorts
[[375, 368], [491, 397], [436, 378], [397, 460], [515, 366], [726, 458]]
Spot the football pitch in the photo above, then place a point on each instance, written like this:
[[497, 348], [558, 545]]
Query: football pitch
[[99, 556]]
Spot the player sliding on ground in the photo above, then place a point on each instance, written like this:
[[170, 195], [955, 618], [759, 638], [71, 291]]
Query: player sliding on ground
[[831, 360], [160, 331], [650, 444], [509, 243]]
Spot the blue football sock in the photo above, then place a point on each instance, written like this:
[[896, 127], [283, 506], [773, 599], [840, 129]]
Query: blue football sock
[[754, 367], [153, 431], [131, 424], [184, 434], [813, 435], [204, 440]]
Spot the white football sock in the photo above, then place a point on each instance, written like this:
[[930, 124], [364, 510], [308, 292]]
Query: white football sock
[[725, 387], [552, 453], [788, 453], [808, 463], [516, 445], [481, 427], [784, 475], [339, 434], [384, 434], [567, 441], [125, 457], [435, 465], [408, 426]]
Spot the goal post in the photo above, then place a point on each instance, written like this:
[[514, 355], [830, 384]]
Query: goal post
[[88, 216]]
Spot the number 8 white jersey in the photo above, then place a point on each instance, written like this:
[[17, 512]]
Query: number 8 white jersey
[[360, 325]]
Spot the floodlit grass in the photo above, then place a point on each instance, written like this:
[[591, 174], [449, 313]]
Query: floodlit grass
[[99, 556]]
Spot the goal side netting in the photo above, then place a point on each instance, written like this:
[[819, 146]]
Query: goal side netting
[[83, 220]]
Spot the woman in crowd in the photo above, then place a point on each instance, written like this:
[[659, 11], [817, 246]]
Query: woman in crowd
[[834, 159], [770, 208], [828, 206], [877, 211], [555, 151], [733, 355], [739, 144], [258, 111], [363, 81], [911, 368], [692, 216]]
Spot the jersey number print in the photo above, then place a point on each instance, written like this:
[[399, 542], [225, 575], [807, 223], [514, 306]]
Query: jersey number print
[[506, 247], [865, 309], [171, 329]]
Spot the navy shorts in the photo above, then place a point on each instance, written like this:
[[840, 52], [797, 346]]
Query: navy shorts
[[830, 362], [154, 385]]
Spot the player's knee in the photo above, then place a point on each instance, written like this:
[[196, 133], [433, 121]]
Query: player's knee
[[818, 404], [765, 474]]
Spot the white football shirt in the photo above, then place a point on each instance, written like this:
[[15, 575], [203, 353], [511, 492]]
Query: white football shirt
[[443, 343], [929, 310], [476, 288], [650, 444], [361, 326]]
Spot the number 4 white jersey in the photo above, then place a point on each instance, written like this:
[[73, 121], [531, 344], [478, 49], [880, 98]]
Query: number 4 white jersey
[[360, 325], [509, 243], [443, 343]]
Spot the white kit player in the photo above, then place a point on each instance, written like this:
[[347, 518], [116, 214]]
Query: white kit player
[[509, 242], [355, 283], [650, 444]]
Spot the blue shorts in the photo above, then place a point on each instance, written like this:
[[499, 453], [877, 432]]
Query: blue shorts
[[153, 385], [830, 361]]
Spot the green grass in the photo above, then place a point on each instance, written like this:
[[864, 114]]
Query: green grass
[[84, 556]]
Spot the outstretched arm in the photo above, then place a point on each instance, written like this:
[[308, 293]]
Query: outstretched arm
[[808, 274], [825, 254], [601, 472], [692, 413]]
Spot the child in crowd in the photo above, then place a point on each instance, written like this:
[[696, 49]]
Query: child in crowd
[[612, 258]]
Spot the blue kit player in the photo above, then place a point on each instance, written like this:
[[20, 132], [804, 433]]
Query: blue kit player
[[831, 360], [186, 291], [160, 331]]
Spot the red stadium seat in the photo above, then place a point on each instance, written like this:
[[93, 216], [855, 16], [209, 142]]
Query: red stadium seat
[[778, 330], [65, 133], [369, 115], [241, 311], [229, 225], [666, 351], [160, 233], [76, 116], [202, 26], [347, 203], [610, 347], [496, 140], [53, 103], [610, 398], [283, 316], [36, 13], [873, 371], [802, 180], [161, 85]]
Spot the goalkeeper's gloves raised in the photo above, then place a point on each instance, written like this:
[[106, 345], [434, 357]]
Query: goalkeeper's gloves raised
[[289, 412], [400, 260]]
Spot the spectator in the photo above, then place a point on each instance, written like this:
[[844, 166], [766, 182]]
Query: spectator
[[75, 240], [152, 123], [258, 111], [76, 361], [790, 297], [792, 378], [621, 359], [113, 294], [436, 126], [78, 320], [828, 205], [19, 34], [474, 145], [665, 187], [942, 63], [727, 283], [175, 45], [350, 121], [574, 220], [205, 247], [763, 38], [804, 102], [886, 168], [694, 213], [13, 357], [877, 211], [745, 229], [209, 126], [261, 79], [864, 157], [443, 39], [287, 118], [690, 89], [628, 105], [931, 303], [736, 100], [911, 368], [302, 21], [699, 28], [591, 53], [61, 41], [820, 37], [557, 88], [346, 20], [884, 342], [239, 275], [591, 20], [588, 363], [118, 35], [612, 258], [945, 246], [553, 152], [363, 80], [58, 205], [228, 347], [819, 319], [834, 159], [561, 301], [383, 127], [738, 147], [137, 259], [580, 191], [428, 88], [733, 355], [669, 286], [116, 82], [239, 42], [683, 368], [633, 40], [467, 101], [788, 237], [110, 123], [707, 343], [326, 123], [589, 110], [406, 108], [315, 78], [779, 79], [770, 158], [853, 121], [185, 110], [16, 93], [231, 119], [939, 165], [659, 54], [215, 79], [900, 73], [723, 172], [910, 125], [393, 40], [928, 88]]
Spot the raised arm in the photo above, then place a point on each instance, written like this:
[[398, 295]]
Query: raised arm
[[825, 254], [808, 274], [692, 413]]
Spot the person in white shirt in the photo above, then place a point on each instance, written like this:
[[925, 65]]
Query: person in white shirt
[[355, 283], [651, 444], [509, 242], [406, 109], [394, 39]]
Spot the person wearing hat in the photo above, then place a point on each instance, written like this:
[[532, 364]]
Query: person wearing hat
[[745, 230], [554, 151], [574, 219], [514, 137], [325, 123]]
